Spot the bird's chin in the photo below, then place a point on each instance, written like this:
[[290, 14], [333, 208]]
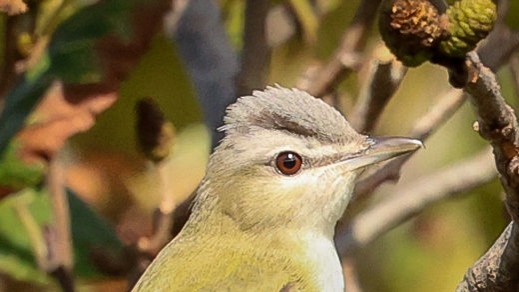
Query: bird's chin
[[336, 195]]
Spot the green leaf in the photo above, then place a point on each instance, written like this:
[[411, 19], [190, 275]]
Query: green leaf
[[72, 57], [88, 231], [15, 174], [19, 103], [73, 47], [16, 255]]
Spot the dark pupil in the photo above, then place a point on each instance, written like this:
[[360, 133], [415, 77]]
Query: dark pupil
[[290, 161]]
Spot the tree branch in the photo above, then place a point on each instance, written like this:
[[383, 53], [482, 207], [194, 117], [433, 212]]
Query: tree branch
[[256, 51], [497, 124], [409, 200], [59, 238], [8, 74], [53, 247], [163, 217], [349, 268], [346, 58], [385, 76], [34, 233], [447, 105], [502, 41], [208, 57], [514, 70], [497, 269]]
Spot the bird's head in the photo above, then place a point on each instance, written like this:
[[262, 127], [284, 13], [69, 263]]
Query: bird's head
[[289, 159]]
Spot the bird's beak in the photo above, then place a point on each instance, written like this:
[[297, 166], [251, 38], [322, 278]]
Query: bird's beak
[[382, 148]]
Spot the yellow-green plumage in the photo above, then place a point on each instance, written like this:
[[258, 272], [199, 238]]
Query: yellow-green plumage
[[253, 228], [214, 252], [228, 264]]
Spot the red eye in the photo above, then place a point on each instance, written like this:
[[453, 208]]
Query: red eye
[[288, 163]]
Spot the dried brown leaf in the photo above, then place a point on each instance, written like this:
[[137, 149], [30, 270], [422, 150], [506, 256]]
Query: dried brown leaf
[[68, 109], [13, 7]]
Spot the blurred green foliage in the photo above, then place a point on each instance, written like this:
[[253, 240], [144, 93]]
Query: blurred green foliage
[[16, 254], [16, 174], [511, 18], [159, 75], [76, 39], [73, 42], [89, 231]]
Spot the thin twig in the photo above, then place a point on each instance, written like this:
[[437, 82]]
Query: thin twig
[[307, 18], [34, 233], [514, 70], [53, 19], [60, 240], [346, 58], [384, 78], [172, 19], [10, 56], [352, 283], [41, 37], [163, 217], [52, 245], [163, 220], [448, 104], [14, 63], [411, 199], [256, 51], [502, 41], [281, 25]]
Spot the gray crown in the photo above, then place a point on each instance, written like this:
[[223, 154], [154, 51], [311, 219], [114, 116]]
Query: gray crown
[[290, 110]]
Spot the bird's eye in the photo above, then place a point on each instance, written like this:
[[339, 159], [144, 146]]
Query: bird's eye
[[288, 163]]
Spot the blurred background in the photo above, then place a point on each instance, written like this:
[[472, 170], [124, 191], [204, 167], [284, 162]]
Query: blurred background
[[189, 68]]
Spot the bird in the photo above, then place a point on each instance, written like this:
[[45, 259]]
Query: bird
[[263, 216]]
